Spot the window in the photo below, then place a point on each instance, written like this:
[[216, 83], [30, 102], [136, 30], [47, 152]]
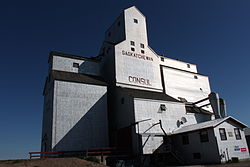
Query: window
[[188, 65], [132, 43], [133, 49], [142, 51], [142, 45], [204, 136], [197, 155], [237, 133], [223, 135], [195, 77], [135, 21], [108, 50], [163, 107], [76, 65], [185, 139], [162, 59]]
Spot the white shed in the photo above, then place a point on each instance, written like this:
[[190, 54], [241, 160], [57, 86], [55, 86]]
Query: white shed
[[215, 141]]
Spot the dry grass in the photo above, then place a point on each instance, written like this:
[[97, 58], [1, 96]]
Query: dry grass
[[50, 162]]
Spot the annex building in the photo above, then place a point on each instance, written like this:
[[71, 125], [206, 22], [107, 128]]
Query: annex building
[[131, 98]]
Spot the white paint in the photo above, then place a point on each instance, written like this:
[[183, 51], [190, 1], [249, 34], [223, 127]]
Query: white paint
[[79, 116], [228, 145], [66, 64]]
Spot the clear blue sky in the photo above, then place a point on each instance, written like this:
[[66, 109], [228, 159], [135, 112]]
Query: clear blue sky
[[214, 34]]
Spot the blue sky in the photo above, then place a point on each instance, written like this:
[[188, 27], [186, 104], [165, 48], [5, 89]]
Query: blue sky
[[214, 34]]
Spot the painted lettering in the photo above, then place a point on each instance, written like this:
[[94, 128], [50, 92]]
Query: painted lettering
[[138, 80], [136, 55]]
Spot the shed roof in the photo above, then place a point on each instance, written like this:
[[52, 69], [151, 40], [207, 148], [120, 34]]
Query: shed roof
[[207, 124], [55, 53], [145, 94], [76, 77]]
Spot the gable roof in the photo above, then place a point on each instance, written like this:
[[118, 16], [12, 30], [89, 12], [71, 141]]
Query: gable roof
[[145, 94], [207, 124], [134, 7]]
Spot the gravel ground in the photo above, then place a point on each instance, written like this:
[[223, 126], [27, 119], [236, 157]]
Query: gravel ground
[[76, 162]]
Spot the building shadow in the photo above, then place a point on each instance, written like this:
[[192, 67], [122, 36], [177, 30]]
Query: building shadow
[[89, 132]]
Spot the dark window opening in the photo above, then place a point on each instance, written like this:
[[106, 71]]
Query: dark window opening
[[142, 45], [163, 107], [223, 135], [142, 51], [162, 59], [132, 43], [133, 49], [197, 155], [188, 65], [195, 77], [49, 78], [185, 139], [237, 133], [76, 65], [135, 21], [204, 136], [108, 50]]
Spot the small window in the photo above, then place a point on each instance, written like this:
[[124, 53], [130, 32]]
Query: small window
[[237, 133], [223, 135], [108, 50], [162, 59], [200, 89], [76, 65], [188, 65], [135, 21], [142, 51], [163, 107], [49, 78], [204, 136], [133, 49], [132, 43], [185, 139], [195, 77], [197, 155], [142, 45]]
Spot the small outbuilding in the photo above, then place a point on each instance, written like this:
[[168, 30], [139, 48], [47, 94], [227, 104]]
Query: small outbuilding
[[214, 141]]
